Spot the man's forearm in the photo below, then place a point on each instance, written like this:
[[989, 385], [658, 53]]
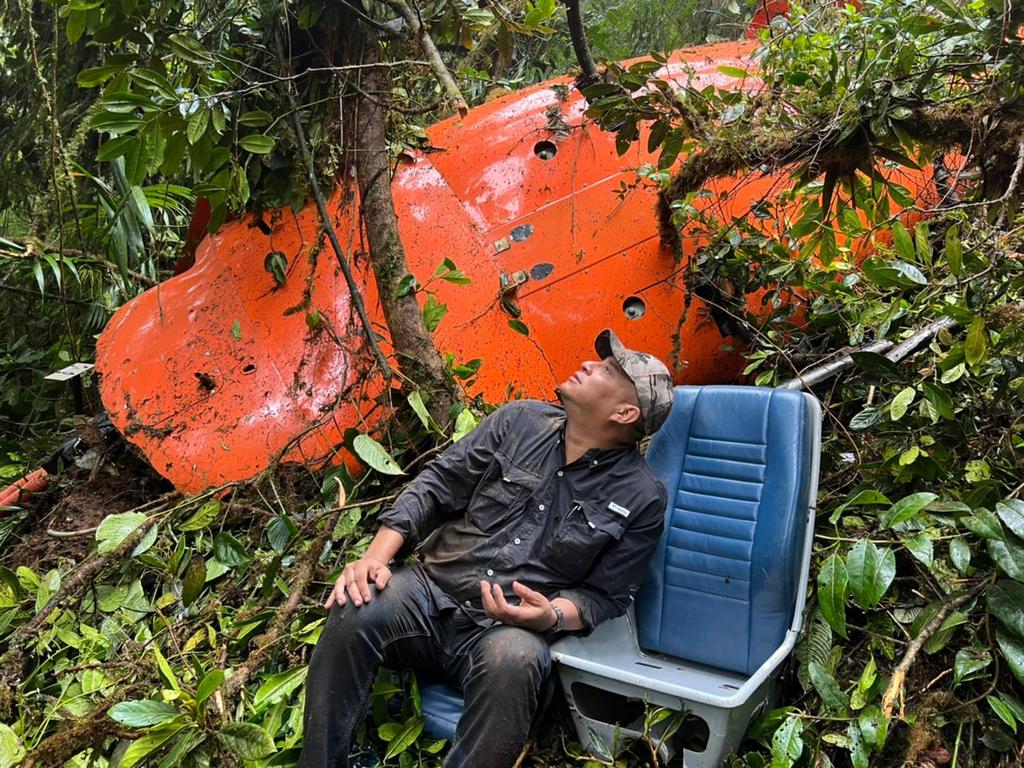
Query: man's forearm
[[385, 545]]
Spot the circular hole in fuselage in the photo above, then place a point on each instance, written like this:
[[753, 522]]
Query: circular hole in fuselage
[[249, 368], [545, 150], [634, 307]]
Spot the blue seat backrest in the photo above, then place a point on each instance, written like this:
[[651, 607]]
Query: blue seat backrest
[[722, 585]]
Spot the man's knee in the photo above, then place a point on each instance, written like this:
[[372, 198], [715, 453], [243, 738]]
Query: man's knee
[[400, 605], [510, 652]]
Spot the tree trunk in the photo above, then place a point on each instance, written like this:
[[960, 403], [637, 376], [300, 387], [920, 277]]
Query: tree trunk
[[417, 357]]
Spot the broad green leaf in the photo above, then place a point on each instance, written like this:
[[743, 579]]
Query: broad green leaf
[[465, 423], [902, 243], [901, 402], [977, 343], [1011, 512], [405, 738], [920, 545], [944, 633], [194, 581], [859, 753], [940, 399], [76, 25], [256, 119], [90, 78], [11, 749], [375, 455], [141, 748], [862, 498], [279, 686], [1002, 711], [257, 143], [1013, 651], [922, 242], [209, 684], [115, 148], [968, 661], [739, 72], [831, 694], [116, 528], [954, 251], [247, 740], [870, 572], [197, 125], [142, 713], [1009, 556], [280, 531], [229, 550], [960, 554], [832, 582], [984, 523], [519, 327], [787, 744], [189, 49], [202, 517], [874, 727], [1005, 600], [866, 418], [416, 403], [165, 669], [877, 365], [906, 509]]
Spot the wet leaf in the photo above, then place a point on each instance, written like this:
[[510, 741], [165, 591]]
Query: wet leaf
[[977, 343], [116, 528], [202, 517], [1011, 512], [247, 740], [831, 694], [787, 744], [870, 571], [257, 143], [142, 713], [1005, 600], [279, 686], [229, 550], [832, 582], [375, 455], [906, 509]]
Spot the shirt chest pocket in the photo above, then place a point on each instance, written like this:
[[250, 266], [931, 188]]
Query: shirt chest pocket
[[586, 531], [502, 494]]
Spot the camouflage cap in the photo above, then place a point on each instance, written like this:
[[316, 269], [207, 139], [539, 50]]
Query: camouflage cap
[[649, 375]]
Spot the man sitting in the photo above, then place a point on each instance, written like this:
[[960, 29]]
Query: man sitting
[[540, 521]]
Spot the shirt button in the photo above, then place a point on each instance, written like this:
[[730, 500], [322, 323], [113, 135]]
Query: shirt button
[[515, 540], [490, 572], [540, 507], [467, 603], [560, 473], [594, 462]]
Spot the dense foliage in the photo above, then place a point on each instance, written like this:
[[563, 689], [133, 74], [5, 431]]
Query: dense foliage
[[172, 631]]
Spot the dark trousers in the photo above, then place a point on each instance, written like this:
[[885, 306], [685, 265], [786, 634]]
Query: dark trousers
[[501, 670]]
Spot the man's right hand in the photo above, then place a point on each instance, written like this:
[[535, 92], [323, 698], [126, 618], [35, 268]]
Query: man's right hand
[[354, 582]]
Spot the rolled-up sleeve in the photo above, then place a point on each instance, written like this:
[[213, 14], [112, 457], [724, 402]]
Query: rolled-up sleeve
[[618, 573], [444, 487]]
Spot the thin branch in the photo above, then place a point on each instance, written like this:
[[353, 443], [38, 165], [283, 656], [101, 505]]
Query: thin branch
[[432, 54], [325, 218]]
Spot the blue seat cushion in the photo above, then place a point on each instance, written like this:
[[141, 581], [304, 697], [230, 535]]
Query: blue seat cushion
[[442, 708], [721, 587]]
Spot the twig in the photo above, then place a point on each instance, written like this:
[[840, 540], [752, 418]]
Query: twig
[[70, 534], [325, 218], [432, 54], [522, 755], [895, 689]]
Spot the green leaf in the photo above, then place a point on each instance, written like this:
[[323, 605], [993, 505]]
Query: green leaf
[[832, 582], [1005, 601], [189, 49], [197, 125], [236, 330], [1013, 652], [960, 554], [920, 545], [405, 737], [1002, 711], [210, 683], [142, 713], [519, 327], [229, 550], [969, 661], [279, 687], [870, 572], [787, 744], [940, 399], [11, 749], [256, 119], [116, 528], [280, 531], [416, 403], [257, 143], [984, 523], [433, 312], [906, 509], [977, 343], [902, 243], [901, 402], [922, 242], [90, 78], [1009, 556], [76, 26], [276, 263], [202, 517], [954, 251], [1011, 512], [247, 740], [141, 748], [831, 694], [739, 72], [876, 365], [375, 455], [465, 423], [194, 581], [115, 148]]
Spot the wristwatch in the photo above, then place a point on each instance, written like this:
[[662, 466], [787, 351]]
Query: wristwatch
[[559, 624]]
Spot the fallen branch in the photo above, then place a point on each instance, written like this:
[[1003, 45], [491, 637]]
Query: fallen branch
[[578, 35], [303, 576], [431, 53], [895, 689]]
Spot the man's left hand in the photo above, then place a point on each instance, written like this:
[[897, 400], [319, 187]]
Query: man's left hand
[[533, 612]]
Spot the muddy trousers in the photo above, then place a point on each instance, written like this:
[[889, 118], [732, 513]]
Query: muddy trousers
[[502, 671]]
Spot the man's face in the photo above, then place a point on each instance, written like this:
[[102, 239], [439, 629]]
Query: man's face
[[598, 388]]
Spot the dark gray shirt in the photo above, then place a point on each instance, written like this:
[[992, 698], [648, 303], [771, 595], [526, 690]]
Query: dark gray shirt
[[503, 505]]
